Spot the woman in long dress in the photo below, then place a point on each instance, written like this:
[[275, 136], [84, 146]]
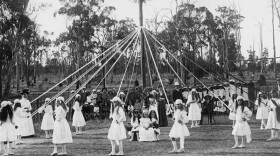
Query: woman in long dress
[[179, 128], [28, 129], [78, 118], [162, 108], [241, 127], [48, 121], [194, 110], [61, 132], [117, 132], [262, 112]]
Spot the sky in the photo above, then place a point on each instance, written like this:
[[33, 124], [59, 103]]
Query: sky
[[254, 11]]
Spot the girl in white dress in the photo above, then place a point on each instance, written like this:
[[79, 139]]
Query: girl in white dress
[[272, 122], [232, 106], [48, 121], [262, 112], [61, 132], [194, 109], [135, 123], [155, 123], [117, 131], [18, 116], [153, 105], [7, 127], [146, 131], [78, 118], [242, 128], [179, 129]]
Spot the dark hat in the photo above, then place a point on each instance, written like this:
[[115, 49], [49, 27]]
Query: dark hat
[[24, 91]]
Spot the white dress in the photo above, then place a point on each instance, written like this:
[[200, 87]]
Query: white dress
[[232, 105], [146, 134], [18, 118], [7, 131], [242, 128], [194, 110], [262, 112], [156, 129], [272, 122], [48, 121], [135, 125], [28, 128], [78, 118], [117, 130], [179, 130], [61, 132]]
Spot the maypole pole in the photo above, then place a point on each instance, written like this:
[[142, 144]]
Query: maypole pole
[[143, 57]]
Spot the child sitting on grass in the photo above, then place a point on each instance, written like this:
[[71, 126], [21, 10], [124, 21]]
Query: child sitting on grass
[[155, 123]]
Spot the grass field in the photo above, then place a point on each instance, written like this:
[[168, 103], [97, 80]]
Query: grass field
[[205, 140]]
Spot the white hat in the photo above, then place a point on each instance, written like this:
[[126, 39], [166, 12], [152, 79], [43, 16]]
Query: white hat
[[260, 93], [16, 101], [47, 99], [60, 99], [178, 101], [72, 91], [231, 80], [122, 93], [116, 99], [94, 90], [9, 103], [176, 83], [78, 95], [193, 90], [239, 97], [4, 104]]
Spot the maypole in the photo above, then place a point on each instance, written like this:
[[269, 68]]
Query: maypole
[[143, 57]]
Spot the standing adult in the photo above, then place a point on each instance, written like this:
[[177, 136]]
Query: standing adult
[[177, 93], [28, 128], [162, 108]]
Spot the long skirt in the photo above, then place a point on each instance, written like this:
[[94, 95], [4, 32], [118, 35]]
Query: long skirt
[[162, 114]]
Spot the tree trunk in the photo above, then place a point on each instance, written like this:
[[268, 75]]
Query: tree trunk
[[1, 64]]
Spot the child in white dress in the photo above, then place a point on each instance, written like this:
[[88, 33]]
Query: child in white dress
[[7, 127], [155, 123], [242, 128], [78, 118], [146, 131], [48, 120], [61, 132], [262, 111], [179, 129], [272, 123], [117, 131], [19, 114], [232, 106], [194, 109], [135, 123]]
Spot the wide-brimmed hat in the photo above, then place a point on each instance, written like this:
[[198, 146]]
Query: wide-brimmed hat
[[24, 91], [176, 84], [77, 96], [178, 102], [239, 98], [16, 101], [60, 99], [115, 99], [4, 104]]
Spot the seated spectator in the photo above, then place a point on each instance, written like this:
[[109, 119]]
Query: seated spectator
[[146, 131], [135, 123], [155, 123]]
